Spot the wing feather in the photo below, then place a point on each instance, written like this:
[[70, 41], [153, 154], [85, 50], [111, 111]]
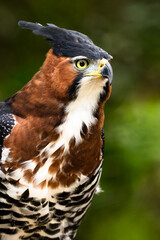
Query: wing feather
[[7, 122]]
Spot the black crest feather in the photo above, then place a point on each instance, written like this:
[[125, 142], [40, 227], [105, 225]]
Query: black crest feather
[[65, 42]]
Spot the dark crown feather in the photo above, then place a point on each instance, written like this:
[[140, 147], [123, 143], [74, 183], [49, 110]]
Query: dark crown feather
[[67, 43]]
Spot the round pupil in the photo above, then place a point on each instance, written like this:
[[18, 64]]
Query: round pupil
[[82, 63]]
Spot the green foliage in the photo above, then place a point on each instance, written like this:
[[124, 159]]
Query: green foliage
[[129, 207]]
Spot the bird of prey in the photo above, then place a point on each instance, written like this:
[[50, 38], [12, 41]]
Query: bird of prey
[[52, 141]]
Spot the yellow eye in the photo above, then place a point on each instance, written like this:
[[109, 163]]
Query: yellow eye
[[82, 64]]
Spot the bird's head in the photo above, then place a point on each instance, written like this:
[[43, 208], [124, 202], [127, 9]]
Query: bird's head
[[75, 66]]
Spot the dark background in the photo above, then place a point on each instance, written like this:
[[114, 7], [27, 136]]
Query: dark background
[[129, 207]]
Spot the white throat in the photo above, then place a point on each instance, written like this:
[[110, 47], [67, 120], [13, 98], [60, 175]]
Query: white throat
[[82, 108]]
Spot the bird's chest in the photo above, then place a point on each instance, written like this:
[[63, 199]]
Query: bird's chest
[[73, 157], [67, 154], [47, 195]]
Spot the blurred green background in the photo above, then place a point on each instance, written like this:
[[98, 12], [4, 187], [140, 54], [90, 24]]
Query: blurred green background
[[129, 207]]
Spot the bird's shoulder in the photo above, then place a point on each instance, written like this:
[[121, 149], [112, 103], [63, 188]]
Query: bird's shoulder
[[7, 122]]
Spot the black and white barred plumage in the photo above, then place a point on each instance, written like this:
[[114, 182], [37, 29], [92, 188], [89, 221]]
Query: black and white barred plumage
[[24, 217]]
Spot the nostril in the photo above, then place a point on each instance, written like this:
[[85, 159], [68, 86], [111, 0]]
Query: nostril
[[101, 65]]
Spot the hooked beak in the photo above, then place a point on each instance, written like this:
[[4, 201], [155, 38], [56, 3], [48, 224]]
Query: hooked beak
[[103, 72], [107, 72]]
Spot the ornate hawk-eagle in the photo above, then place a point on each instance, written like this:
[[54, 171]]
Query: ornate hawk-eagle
[[51, 139]]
